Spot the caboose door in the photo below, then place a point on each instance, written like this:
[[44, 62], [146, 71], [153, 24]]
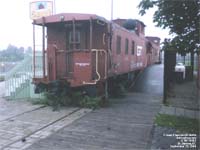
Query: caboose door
[[73, 43], [78, 55]]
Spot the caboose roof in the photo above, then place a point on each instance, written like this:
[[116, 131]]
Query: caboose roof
[[62, 17]]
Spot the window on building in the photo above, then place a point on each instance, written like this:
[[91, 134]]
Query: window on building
[[118, 45], [126, 46], [133, 48]]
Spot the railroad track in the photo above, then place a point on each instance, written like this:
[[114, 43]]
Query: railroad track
[[20, 114], [26, 128]]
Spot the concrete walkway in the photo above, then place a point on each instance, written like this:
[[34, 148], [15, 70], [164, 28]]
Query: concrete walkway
[[184, 95], [181, 112], [150, 81], [183, 100]]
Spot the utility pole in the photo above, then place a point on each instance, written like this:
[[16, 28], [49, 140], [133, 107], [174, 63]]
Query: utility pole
[[111, 10], [54, 6]]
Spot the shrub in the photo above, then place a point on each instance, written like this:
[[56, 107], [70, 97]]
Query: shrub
[[76, 99], [90, 102]]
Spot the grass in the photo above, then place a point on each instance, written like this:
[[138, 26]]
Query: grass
[[181, 124]]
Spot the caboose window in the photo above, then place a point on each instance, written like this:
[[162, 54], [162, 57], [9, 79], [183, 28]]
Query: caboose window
[[74, 40], [118, 44], [133, 48], [126, 46]]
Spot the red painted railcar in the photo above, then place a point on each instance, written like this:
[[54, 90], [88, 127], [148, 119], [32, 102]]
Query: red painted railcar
[[198, 81], [85, 49]]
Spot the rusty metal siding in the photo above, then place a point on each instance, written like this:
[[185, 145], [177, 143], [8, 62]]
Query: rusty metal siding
[[56, 35], [98, 32], [199, 73], [56, 43], [125, 63], [82, 68], [99, 37]]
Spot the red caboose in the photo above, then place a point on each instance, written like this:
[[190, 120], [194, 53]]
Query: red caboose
[[87, 50]]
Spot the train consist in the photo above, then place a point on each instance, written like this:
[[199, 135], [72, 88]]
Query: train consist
[[87, 51]]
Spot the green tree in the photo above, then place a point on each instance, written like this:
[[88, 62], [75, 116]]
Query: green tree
[[12, 53], [29, 50], [182, 18]]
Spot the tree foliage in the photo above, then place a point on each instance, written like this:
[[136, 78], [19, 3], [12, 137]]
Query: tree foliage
[[181, 17], [13, 53]]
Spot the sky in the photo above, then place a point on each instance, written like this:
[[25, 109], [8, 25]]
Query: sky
[[16, 25]]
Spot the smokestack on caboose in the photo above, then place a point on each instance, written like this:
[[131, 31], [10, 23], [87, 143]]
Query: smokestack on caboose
[[133, 25], [155, 40]]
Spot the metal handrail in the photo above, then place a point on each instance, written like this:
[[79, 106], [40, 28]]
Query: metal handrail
[[18, 80], [18, 76], [98, 74]]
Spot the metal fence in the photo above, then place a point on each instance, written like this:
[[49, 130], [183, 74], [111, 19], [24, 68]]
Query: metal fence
[[18, 80], [187, 60]]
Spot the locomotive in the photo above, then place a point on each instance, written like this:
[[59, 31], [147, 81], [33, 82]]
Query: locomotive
[[87, 51]]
